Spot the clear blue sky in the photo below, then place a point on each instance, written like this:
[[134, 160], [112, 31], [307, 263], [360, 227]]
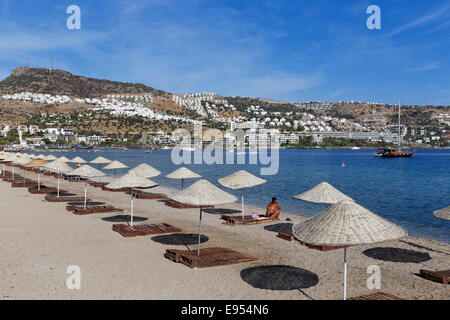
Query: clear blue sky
[[290, 50]]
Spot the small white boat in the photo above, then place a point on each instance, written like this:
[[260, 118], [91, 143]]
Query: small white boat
[[355, 148]]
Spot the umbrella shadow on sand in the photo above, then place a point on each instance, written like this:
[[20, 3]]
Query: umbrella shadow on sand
[[180, 239], [397, 255], [123, 218], [221, 211], [280, 277], [279, 227]]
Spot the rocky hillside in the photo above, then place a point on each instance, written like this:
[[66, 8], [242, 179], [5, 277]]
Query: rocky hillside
[[41, 80]]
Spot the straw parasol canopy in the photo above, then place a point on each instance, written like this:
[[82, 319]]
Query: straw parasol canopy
[[63, 159], [202, 193], [145, 170], [323, 193], [58, 166], [100, 160], [51, 157], [443, 214], [183, 173], [239, 180], [87, 171], [131, 180], [346, 224], [77, 160], [114, 166], [37, 163]]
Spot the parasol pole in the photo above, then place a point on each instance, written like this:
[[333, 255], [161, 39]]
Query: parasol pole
[[13, 172], [242, 205], [39, 178], [132, 209], [199, 230], [58, 187], [345, 273], [85, 193], [3, 171], [182, 180]]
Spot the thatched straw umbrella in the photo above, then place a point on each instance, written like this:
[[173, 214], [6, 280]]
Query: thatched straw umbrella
[[60, 167], [7, 159], [443, 214], [202, 193], [131, 180], [21, 161], [323, 193], [86, 171], [240, 180], [37, 163], [100, 160], [183, 173], [63, 159], [346, 224], [51, 157], [145, 170], [115, 165], [78, 160]]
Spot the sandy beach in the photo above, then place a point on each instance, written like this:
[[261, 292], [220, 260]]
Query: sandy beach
[[39, 240]]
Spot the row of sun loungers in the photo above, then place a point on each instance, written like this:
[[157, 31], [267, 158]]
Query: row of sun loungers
[[208, 257]]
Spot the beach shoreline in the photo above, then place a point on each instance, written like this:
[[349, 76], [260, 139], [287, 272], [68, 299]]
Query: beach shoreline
[[43, 240]]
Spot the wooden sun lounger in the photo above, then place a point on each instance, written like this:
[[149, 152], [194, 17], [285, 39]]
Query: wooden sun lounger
[[237, 220], [286, 236], [65, 198], [377, 296], [179, 205], [442, 276], [144, 229], [209, 257], [44, 190], [10, 178], [149, 195], [80, 210], [22, 184], [98, 184], [116, 190]]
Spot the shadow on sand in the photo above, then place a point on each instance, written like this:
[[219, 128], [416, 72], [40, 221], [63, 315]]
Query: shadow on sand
[[279, 227], [397, 255], [124, 218], [180, 239], [279, 277], [221, 211]]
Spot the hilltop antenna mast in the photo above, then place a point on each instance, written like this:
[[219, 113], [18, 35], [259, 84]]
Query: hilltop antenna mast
[[51, 65]]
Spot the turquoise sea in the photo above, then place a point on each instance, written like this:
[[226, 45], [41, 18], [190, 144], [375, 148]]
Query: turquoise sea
[[404, 191]]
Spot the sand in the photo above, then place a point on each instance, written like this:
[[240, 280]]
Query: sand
[[40, 240]]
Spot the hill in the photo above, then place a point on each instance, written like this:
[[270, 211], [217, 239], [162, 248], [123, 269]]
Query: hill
[[59, 82]]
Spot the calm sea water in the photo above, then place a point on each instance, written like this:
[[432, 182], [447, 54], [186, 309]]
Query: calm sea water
[[404, 191]]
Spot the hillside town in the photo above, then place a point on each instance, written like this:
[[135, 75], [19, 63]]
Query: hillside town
[[259, 124]]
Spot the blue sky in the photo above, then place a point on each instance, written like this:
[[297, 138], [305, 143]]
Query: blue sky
[[290, 50]]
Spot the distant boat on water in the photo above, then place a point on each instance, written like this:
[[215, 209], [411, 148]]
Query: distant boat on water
[[395, 152], [355, 148]]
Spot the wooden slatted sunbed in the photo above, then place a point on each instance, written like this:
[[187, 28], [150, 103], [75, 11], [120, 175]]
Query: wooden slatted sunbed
[[237, 220], [80, 210], [179, 205], [62, 198], [442, 276], [44, 190], [149, 195], [104, 188], [144, 229], [377, 296], [209, 257], [24, 183]]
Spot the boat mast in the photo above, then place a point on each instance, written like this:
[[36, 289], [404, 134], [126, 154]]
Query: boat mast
[[399, 127]]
